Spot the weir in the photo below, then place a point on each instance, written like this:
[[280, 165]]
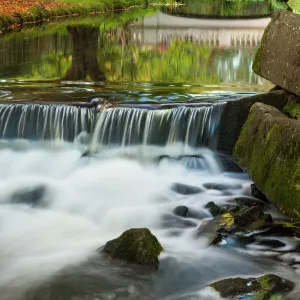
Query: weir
[[192, 126]]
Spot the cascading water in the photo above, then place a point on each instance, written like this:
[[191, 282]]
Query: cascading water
[[44, 122], [58, 207], [123, 126]]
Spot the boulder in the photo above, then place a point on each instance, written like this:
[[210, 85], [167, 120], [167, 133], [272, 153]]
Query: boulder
[[235, 114], [260, 288], [138, 246], [277, 58], [268, 149]]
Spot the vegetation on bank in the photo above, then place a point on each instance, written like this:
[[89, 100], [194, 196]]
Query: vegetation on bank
[[295, 5], [64, 8]]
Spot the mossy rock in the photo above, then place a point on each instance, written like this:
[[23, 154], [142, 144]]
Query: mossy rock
[[292, 108], [268, 149], [277, 58], [235, 220], [261, 288], [137, 246]]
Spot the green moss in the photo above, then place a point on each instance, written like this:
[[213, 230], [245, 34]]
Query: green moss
[[261, 288], [259, 56], [135, 246], [268, 148], [292, 108]]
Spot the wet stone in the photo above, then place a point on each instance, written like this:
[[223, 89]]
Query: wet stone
[[260, 288], [255, 192], [247, 201], [185, 189], [221, 186], [137, 246], [214, 238], [32, 197], [181, 211], [214, 209], [271, 243], [172, 221]]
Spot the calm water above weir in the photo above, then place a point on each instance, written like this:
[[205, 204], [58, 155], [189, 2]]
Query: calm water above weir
[[73, 177]]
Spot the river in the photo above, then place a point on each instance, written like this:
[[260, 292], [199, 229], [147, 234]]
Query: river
[[72, 178]]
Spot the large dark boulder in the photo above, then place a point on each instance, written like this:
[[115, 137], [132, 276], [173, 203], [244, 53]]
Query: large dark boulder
[[235, 114], [260, 288], [138, 246], [268, 149], [277, 58]]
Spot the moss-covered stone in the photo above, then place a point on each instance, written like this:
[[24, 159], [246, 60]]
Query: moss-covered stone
[[277, 58], [268, 149], [137, 246], [261, 288], [292, 109], [235, 114], [235, 219]]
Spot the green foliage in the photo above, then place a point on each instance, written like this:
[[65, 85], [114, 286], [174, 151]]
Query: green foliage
[[36, 15], [228, 8]]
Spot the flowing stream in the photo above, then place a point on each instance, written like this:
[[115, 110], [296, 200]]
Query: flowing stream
[[73, 178]]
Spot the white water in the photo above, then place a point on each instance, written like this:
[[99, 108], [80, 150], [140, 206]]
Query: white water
[[90, 201]]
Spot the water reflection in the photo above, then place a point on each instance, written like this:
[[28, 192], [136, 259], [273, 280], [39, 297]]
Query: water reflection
[[227, 8], [156, 49]]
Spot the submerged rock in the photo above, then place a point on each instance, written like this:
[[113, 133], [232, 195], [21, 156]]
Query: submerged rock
[[221, 186], [181, 211], [137, 246], [185, 189], [261, 288], [172, 221], [31, 196]]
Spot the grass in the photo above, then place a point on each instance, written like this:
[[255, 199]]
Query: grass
[[72, 7]]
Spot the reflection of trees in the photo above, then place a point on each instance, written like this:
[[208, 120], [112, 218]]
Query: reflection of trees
[[225, 8], [84, 57]]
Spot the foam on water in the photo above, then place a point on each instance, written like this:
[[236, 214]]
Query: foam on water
[[88, 201]]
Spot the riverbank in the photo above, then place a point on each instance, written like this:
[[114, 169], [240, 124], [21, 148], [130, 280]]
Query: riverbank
[[15, 13]]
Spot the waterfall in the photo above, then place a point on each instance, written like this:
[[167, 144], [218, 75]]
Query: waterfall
[[122, 126], [44, 122]]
